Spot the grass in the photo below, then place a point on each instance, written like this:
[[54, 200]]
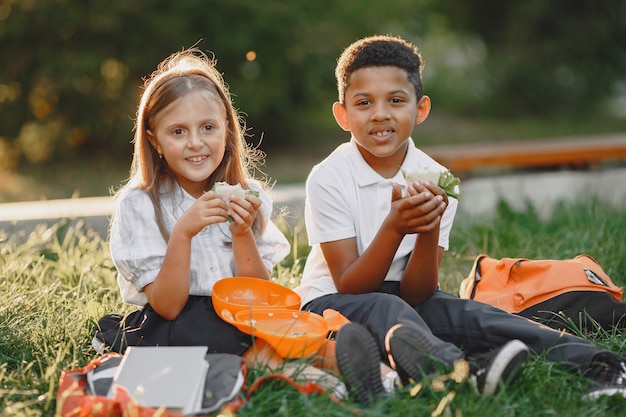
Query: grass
[[57, 281]]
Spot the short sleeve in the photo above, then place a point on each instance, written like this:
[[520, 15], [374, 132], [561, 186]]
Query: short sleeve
[[136, 244], [327, 213], [446, 223], [272, 244]]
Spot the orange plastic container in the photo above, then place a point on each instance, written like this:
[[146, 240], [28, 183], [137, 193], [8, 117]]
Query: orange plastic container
[[335, 319], [232, 295], [272, 313], [294, 334]]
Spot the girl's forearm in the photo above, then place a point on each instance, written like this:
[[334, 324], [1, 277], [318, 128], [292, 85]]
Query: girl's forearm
[[248, 261], [169, 292]]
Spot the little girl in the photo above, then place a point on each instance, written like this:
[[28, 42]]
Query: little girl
[[171, 237]]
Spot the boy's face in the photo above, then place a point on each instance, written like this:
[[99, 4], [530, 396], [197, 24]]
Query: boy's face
[[380, 109]]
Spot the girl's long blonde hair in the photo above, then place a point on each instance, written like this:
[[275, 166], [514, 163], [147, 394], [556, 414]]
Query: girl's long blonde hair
[[182, 73]]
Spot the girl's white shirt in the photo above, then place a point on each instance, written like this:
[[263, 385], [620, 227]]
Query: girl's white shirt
[[138, 248]]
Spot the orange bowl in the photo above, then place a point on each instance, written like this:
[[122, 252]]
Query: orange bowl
[[294, 334], [232, 295]]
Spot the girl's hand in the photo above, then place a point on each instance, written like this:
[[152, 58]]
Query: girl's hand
[[420, 211], [243, 212], [208, 209]]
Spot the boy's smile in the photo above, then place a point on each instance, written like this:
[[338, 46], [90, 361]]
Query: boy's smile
[[380, 109]]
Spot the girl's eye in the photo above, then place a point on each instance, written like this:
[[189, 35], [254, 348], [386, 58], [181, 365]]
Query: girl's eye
[[207, 128], [177, 132]]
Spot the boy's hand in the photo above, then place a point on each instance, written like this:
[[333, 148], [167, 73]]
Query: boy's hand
[[208, 209], [420, 211], [420, 186]]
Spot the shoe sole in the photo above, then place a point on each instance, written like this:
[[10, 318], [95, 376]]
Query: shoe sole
[[409, 352], [358, 360], [605, 391], [98, 346], [506, 366]]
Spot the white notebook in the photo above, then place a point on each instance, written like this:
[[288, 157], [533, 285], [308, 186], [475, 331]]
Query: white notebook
[[164, 376]]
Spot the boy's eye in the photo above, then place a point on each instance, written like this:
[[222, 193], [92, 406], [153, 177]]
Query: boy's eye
[[363, 103], [397, 100]]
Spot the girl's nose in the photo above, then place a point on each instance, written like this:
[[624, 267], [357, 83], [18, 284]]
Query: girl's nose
[[194, 140]]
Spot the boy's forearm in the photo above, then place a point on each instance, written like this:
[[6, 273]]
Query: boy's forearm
[[421, 275], [368, 271]]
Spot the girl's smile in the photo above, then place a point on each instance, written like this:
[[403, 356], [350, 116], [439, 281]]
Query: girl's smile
[[191, 133]]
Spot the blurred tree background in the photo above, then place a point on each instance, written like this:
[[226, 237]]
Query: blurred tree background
[[71, 70]]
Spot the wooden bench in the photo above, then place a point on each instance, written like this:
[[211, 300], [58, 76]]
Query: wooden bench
[[564, 152]]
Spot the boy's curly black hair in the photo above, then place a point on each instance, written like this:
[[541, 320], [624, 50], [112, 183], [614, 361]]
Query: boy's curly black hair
[[379, 51]]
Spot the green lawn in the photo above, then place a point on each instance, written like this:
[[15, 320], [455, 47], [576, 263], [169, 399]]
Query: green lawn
[[56, 282]]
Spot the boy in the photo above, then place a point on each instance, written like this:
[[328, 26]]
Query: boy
[[377, 244]]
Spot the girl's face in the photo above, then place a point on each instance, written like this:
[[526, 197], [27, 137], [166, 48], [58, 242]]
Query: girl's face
[[191, 135]]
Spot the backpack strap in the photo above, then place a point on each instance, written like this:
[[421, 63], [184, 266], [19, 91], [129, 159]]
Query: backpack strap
[[477, 278], [307, 388], [468, 286]]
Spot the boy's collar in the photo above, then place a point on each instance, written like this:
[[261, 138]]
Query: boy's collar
[[367, 175]]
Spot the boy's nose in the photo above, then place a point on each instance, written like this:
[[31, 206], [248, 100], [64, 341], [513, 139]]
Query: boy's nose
[[381, 112]]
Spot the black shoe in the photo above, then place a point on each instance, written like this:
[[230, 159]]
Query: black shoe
[[490, 370], [410, 352], [358, 359], [608, 373]]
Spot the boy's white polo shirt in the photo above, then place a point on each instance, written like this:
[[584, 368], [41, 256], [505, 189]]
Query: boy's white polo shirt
[[346, 198]]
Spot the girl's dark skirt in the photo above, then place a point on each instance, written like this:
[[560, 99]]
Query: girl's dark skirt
[[197, 325]]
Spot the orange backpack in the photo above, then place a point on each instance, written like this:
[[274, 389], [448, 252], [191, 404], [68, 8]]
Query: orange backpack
[[558, 293]]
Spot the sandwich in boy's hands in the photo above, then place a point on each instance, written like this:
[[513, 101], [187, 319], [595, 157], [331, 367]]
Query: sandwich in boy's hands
[[444, 179]]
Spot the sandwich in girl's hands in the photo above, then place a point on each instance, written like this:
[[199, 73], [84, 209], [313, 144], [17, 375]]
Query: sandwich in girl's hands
[[444, 179], [225, 191]]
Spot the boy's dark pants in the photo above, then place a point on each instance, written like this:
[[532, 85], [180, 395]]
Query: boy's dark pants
[[457, 325]]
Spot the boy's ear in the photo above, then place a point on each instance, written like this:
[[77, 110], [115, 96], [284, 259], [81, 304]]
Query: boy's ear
[[341, 116], [423, 109]]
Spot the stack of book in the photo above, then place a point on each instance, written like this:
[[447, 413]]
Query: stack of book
[[168, 376]]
